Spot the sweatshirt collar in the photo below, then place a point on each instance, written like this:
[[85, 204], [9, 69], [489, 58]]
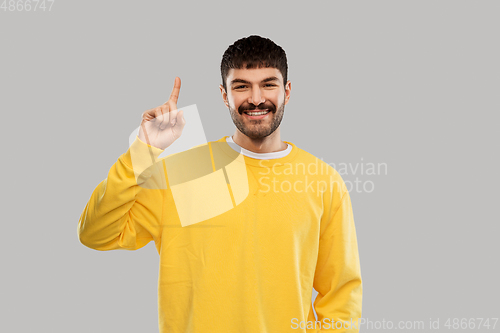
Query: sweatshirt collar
[[263, 160], [259, 156]]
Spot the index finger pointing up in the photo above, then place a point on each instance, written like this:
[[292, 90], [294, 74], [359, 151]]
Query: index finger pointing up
[[175, 92]]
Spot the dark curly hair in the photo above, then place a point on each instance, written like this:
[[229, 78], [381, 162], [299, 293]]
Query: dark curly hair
[[254, 52]]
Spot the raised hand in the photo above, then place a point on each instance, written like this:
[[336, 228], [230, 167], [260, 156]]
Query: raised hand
[[161, 126]]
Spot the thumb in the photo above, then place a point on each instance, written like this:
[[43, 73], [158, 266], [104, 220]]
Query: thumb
[[181, 121]]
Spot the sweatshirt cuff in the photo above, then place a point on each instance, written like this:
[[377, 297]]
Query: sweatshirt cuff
[[140, 156]]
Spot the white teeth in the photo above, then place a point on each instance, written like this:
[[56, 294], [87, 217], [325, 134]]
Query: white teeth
[[256, 113]]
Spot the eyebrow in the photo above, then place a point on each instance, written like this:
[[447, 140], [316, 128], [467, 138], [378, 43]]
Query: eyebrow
[[271, 78]]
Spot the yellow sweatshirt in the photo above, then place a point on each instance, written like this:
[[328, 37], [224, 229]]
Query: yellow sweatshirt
[[242, 241]]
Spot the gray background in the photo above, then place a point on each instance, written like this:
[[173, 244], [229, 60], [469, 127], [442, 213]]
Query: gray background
[[413, 84]]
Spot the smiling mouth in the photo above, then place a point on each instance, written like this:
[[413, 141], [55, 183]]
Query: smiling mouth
[[256, 112]]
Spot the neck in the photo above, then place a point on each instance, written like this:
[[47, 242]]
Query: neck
[[269, 144]]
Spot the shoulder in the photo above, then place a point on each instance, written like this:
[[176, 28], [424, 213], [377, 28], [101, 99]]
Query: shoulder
[[304, 156], [321, 170]]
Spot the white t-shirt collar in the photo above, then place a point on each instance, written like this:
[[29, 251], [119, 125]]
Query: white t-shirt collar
[[261, 156]]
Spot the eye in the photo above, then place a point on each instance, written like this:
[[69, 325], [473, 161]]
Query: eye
[[239, 87], [270, 85]]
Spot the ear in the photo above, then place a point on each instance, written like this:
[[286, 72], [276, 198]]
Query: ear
[[224, 95], [288, 87]]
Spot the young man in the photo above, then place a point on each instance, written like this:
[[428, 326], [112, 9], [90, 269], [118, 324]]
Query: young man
[[250, 267]]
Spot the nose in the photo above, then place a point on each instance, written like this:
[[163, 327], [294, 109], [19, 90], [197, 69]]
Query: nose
[[256, 98]]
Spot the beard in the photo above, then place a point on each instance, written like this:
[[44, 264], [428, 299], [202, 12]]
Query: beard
[[257, 128]]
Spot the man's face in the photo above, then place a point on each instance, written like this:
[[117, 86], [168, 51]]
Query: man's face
[[256, 89]]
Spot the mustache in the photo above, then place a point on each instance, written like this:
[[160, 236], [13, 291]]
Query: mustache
[[262, 106]]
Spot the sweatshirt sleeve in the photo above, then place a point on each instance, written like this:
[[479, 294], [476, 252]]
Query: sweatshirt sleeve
[[338, 277], [122, 214]]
